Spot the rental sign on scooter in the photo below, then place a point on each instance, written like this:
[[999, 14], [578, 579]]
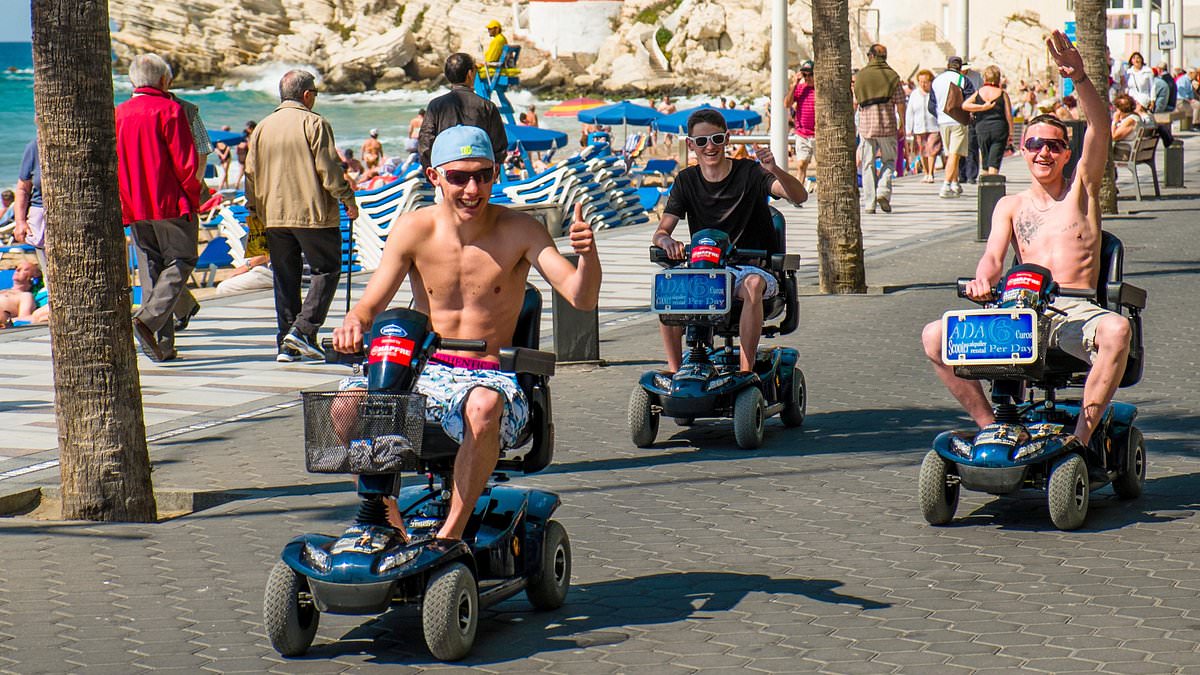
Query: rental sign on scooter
[[989, 337]]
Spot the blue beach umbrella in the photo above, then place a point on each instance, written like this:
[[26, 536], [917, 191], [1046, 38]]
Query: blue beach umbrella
[[229, 138], [676, 123], [533, 138], [620, 113]]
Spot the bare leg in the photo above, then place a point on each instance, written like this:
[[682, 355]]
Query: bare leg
[[952, 168], [672, 337], [1112, 342], [969, 393], [476, 460], [802, 169], [750, 324]]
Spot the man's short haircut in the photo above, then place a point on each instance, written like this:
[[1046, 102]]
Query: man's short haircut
[[991, 75], [148, 70], [875, 50], [458, 65], [1050, 120], [706, 116], [294, 83], [1124, 103]]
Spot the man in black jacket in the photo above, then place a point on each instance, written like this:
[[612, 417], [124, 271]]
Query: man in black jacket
[[461, 105]]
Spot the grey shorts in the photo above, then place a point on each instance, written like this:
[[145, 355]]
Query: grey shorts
[[804, 147], [740, 273], [1075, 333]]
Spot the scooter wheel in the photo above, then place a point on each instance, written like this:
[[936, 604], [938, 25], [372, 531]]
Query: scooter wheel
[[1068, 493], [643, 422], [450, 613], [796, 406], [748, 418], [1132, 478], [939, 498], [289, 616], [548, 588]]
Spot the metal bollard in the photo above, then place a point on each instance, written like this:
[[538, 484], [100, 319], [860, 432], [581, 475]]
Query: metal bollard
[[991, 189], [576, 332], [1173, 165]]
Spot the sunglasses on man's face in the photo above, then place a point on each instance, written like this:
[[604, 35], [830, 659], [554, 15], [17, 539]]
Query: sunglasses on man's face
[[715, 139], [1035, 144], [461, 178]]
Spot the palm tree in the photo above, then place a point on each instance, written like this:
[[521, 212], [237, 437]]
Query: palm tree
[[98, 402], [1090, 28], [839, 232]]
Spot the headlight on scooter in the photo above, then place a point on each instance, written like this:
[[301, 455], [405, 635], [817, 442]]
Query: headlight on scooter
[[391, 561], [317, 557], [1029, 449], [662, 381], [960, 446]]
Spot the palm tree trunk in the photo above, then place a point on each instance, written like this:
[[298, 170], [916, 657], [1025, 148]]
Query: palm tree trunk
[[839, 232], [1091, 31], [105, 465]]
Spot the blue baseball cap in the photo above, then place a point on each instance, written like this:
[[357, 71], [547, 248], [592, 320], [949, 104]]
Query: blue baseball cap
[[461, 142]]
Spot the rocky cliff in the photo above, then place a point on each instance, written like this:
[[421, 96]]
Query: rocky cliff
[[359, 45]]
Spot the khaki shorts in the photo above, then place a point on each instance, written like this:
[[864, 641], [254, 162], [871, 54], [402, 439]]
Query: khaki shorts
[[954, 139], [1075, 333], [804, 148]]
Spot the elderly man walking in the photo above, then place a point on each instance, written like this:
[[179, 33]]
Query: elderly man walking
[[881, 103], [156, 168], [294, 183]]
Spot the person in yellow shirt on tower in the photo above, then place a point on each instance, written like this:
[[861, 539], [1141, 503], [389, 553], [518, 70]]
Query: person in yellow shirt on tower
[[495, 48]]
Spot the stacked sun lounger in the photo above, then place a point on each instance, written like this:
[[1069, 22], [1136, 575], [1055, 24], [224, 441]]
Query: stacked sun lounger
[[594, 178], [378, 208]]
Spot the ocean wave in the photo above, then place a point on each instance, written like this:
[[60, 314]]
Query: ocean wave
[[265, 77]]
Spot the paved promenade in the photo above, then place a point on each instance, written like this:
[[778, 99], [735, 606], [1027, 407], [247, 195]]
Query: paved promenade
[[807, 555], [227, 364]]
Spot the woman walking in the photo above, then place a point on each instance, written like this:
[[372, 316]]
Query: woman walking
[[993, 120], [922, 126]]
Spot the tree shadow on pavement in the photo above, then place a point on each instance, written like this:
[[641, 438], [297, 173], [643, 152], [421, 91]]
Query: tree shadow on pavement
[[601, 613], [879, 430]]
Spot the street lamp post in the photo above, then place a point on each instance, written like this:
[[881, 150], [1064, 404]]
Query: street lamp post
[[779, 82]]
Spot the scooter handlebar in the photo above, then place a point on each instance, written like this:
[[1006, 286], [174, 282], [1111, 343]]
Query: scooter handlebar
[[332, 356], [463, 345]]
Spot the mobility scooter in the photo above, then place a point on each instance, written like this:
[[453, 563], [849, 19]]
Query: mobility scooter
[[697, 293], [1029, 445], [510, 544]]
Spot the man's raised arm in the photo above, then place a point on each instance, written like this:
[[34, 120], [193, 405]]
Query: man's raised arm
[[1099, 130]]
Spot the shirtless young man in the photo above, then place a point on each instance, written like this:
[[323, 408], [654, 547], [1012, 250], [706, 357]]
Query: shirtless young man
[[1055, 224], [18, 302], [468, 261]]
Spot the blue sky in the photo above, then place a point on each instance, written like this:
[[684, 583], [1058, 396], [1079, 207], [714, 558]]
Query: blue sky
[[14, 21]]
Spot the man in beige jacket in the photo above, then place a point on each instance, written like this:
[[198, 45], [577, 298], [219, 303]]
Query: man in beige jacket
[[294, 183]]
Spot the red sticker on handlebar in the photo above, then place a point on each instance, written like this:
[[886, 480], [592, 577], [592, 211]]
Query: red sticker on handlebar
[[706, 254], [1028, 281], [392, 349]]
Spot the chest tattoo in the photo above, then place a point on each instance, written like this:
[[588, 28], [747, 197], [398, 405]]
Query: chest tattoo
[[1027, 224]]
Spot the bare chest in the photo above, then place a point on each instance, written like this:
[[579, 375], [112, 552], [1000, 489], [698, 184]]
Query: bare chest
[[468, 276], [1061, 225]]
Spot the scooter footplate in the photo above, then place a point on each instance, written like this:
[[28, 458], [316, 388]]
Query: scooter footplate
[[366, 598], [994, 480]]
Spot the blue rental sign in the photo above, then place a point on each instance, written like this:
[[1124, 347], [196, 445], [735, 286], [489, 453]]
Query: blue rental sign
[[692, 292], [989, 337]]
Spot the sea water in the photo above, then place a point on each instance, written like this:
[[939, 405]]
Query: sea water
[[352, 115]]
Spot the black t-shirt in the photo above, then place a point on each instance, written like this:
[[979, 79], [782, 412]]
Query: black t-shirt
[[736, 205]]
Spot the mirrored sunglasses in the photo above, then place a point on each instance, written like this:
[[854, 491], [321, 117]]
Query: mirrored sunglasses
[[461, 178], [1035, 144], [715, 139]]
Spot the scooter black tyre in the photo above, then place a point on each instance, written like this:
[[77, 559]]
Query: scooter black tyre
[[748, 418], [939, 499], [1068, 493], [450, 613], [548, 589], [643, 422], [1132, 479], [291, 623], [796, 406]]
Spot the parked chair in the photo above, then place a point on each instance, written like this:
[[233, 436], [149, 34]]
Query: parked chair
[[1140, 148]]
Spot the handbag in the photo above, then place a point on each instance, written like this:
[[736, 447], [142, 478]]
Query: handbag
[[953, 105]]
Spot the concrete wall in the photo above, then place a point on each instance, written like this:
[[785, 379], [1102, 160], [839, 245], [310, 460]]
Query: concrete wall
[[566, 27]]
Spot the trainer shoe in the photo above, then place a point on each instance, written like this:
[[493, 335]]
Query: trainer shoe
[[947, 192], [288, 355], [885, 204], [181, 323], [957, 188], [305, 344]]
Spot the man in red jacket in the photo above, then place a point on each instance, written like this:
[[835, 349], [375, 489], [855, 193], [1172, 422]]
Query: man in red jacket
[[156, 168]]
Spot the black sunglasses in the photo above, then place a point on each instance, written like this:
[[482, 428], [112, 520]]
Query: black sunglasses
[[461, 178], [716, 139], [1035, 144]]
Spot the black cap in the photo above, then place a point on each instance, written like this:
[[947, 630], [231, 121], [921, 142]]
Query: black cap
[[955, 62]]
